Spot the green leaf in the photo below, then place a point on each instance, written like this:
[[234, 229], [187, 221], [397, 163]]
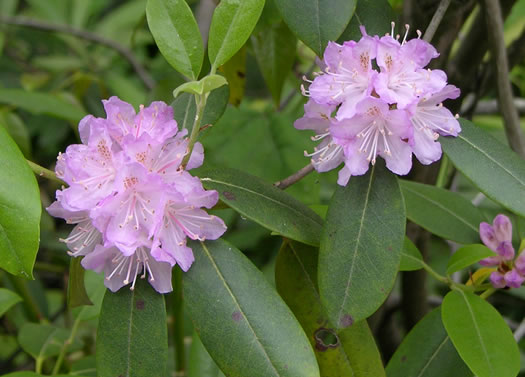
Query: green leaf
[[184, 108], [497, 171], [205, 85], [442, 212], [274, 46], [20, 210], [31, 374], [265, 204], [17, 129], [132, 339], [480, 335], [352, 351], [7, 300], [232, 305], [41, 103], [231, 25], [95, 288], [427, 352], [375, 15], [315, 22], [361, 246], [410, 257], [177, 35], [42, 341], [201, 364], [468, 255], [76, 291], [235, 72]]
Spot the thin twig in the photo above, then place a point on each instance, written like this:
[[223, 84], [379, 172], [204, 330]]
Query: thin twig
[[520, 331], [44, 173], [122, 50], [499, 58], [295, 177], [436, 20]]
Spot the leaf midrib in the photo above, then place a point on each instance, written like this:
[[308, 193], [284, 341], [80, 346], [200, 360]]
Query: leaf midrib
[[263, 196], [433, 356], [225, 283], [357, 241], [439, 205]]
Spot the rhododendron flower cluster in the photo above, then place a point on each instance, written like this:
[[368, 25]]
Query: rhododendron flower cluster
[[359, 113], [498, 238], [133, 203]]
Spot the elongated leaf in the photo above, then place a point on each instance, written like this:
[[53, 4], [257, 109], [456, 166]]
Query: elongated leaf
[[361, 246], [132, 339], [410, 257], [315, 22], [480, 335], [41, 103], [20, 210], [265, 204], [184, 108], [231, 303], [177, 35], [7, 300], [201, 364], [95, 288], [205, 85], [275, 46], [375, 15], [497, 171], [235, 72], [468, 255], [42, 341], [76, 290], [442, 212], [427, 352], [231, 25], [348, 352]]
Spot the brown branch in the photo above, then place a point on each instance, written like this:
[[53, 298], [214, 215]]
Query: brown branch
[[295, 177], [436, 20], [499, 58], [122, 50]]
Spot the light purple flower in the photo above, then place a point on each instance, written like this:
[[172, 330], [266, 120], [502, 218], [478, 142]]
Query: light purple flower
[[430, 120], [133, 203], [374, 131], [347, 77], [327, 155], [498, 238], [408, 98]]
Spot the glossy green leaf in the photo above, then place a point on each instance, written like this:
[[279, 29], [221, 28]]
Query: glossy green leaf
[[235, 72], [177, 35], [232, 305], [20, 210], [231, 25], [497, 171], [76, 290], [132, 339], [42, 341], [480, 335], [411, 257], [200, 363], [41, 103], [315, 22], [375, 15], [442, 212], [427, 352], [184, 108], [205, 85], [468, 255], [274, 46], [95, 288], [265, 204], [352, 351], [7, 300], [361, 246], [17, 129]]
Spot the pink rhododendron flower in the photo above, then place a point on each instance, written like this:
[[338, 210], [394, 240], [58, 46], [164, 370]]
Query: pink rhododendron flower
[[392, 112], [498, 238], [133, 203]]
